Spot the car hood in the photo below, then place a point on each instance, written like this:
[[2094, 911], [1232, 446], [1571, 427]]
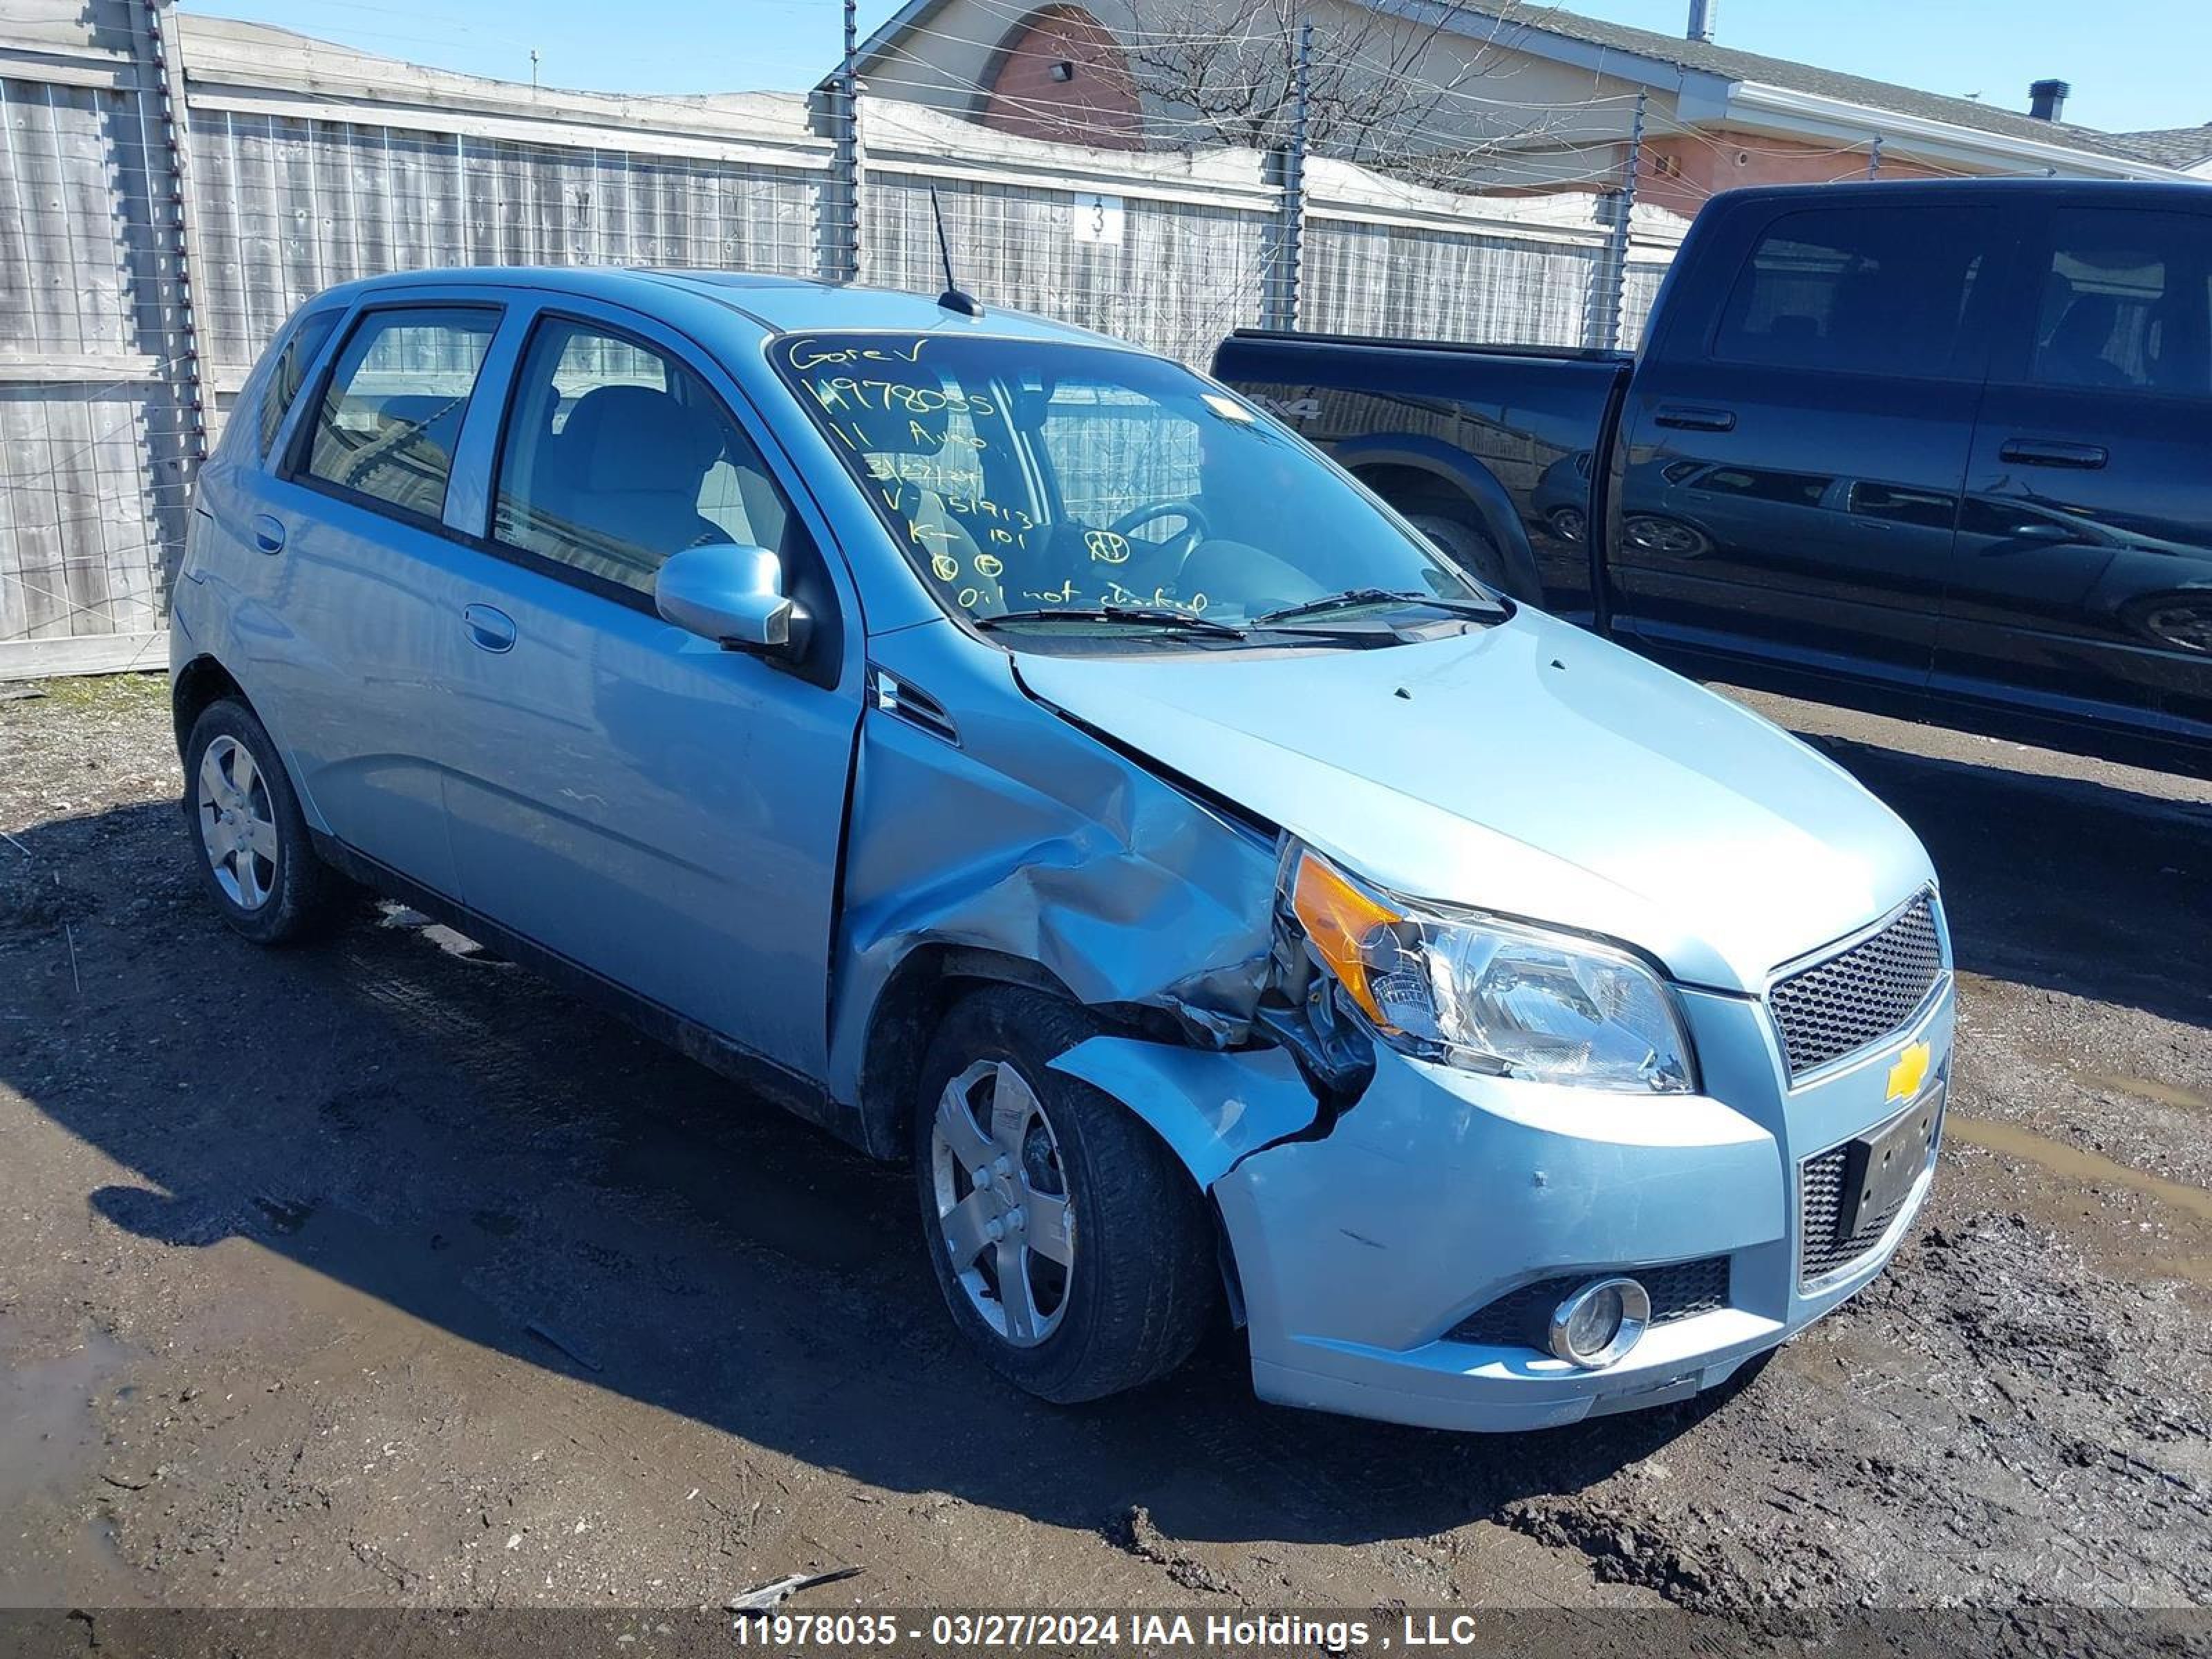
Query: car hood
[[1529, 769]]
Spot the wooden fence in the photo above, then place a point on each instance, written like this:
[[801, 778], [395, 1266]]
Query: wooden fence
[[177, 185]]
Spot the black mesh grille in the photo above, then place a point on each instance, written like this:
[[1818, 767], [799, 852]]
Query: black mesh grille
[[1860, 995], [1820, 1250], [1520, 1318]]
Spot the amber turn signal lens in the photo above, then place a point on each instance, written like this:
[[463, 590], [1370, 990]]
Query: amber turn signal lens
[[1339, 920]]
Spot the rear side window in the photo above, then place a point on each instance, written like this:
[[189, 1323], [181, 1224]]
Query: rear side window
[[290, 372], [2126, 302], [1875, 290], [392, 411], [618, 456]]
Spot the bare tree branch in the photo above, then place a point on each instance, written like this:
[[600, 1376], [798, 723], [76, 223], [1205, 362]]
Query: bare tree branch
[[1408, 95]]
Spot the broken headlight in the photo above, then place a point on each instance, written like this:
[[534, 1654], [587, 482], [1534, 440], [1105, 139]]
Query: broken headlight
[[1491, 996]]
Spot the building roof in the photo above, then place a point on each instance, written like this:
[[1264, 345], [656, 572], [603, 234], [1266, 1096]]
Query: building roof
[[1511, 21], [1646, 56], [2173, 147]]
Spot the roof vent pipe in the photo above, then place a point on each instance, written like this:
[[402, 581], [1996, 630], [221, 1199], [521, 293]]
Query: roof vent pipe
[[1701, 13], [2046, 99]]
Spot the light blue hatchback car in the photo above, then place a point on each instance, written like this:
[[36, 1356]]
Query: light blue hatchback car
[[1018, 754]]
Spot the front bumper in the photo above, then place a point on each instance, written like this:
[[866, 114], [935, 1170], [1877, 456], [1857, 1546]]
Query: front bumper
[[1359, 1253]]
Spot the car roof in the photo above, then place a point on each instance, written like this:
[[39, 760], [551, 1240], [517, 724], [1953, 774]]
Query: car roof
[[771, 304]]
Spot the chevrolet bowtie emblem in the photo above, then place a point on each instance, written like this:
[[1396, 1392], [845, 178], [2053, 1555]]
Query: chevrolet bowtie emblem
[[1910, 1072]]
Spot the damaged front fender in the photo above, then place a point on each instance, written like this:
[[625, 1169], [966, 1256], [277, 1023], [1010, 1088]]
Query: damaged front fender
[[1008, 833]]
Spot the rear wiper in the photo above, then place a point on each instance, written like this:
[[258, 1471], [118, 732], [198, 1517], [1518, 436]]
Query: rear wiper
[[1351, 597], [1150, 615]]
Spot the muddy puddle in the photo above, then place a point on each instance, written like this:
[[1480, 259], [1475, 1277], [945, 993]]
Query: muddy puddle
[[51, 1447], [2189, 1207]]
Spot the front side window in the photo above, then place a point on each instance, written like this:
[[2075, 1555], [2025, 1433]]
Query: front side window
[[1023, 476], [2126, 302], [618, 456], [392, 412], [1874, 290], [290, 372]]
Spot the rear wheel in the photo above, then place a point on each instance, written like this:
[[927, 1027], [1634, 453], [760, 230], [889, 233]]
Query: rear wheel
[[1072, 1248], [249, 841]]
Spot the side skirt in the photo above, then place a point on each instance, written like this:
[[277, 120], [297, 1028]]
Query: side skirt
[[797, 1094]]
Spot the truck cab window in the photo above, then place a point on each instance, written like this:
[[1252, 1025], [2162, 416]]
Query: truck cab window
[[1866, 289], [2126, 302]]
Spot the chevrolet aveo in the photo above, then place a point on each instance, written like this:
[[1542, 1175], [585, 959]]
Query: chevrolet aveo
[[1020, 756]]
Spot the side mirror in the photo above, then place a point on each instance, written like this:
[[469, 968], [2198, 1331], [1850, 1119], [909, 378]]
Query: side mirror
[[731, 595]]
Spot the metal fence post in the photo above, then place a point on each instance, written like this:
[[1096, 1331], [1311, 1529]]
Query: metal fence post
[[1281, 295], [1610, 284], [838, 218], [172, 208]]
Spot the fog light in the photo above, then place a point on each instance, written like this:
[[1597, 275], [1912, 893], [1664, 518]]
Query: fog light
[[1600, 1322]]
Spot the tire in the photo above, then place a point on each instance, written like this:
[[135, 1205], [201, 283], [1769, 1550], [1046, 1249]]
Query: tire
[[1140, 1281], [1470, 550], [246, 837]]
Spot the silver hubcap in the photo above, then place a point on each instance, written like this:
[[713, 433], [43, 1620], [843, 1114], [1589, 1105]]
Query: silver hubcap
[[1003, 1211], [238, 827]]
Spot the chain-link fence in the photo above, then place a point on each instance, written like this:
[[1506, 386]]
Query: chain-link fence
[[178, 186]]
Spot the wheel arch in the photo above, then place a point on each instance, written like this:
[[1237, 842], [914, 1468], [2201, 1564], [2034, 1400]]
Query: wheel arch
[[928, 979], [1423, 476], [200, 683]]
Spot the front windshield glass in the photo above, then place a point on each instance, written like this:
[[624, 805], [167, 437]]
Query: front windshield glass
[[1026, 476]]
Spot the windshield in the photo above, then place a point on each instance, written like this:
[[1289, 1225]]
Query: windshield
[[1030, 476]]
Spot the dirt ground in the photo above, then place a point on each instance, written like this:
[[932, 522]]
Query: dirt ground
[[376, 1274]]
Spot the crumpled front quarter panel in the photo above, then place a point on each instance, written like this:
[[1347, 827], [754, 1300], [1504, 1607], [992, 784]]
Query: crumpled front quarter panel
[[1030, 839]]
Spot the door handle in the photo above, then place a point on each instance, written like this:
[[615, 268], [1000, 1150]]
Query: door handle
[[489, 628], [268, 533], [1695, 420], [2050, 452]]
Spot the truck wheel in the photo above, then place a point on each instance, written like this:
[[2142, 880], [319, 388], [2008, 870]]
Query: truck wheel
[[1470, 550], [248, 841], [1073, 1249]]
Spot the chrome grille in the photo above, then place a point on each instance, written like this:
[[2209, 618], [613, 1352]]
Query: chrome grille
[[1859, 995], [1520, 1318]]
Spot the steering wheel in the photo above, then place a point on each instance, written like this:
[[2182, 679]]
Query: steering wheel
[[1178, 547]]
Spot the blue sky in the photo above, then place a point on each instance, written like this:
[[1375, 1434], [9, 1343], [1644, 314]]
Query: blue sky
[[2133, 63]]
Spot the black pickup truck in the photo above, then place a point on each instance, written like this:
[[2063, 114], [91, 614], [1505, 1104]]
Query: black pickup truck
[[1941, 449]]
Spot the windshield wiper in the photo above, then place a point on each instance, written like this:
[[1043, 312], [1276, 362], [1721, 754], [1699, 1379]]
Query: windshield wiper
[[1352, 597], [1150, 615]]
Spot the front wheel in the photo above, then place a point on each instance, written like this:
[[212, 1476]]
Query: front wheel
[[1072, 1248]]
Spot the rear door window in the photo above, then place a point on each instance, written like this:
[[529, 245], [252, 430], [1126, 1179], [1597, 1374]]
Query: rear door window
[[392, 409], [1866, 289], [2126, 302]]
